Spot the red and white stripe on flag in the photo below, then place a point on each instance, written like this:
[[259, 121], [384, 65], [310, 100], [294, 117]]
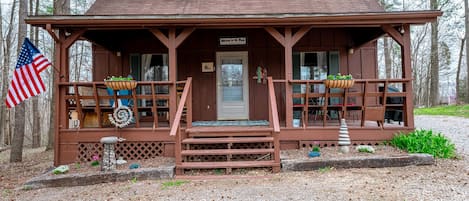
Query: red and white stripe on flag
[[41, 62], [26, 83]]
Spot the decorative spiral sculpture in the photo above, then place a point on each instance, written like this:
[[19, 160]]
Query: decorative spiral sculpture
[[121, 117]]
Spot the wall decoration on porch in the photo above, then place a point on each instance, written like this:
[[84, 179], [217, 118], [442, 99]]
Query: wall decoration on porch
[[207, 67], [261, 75], [232, 41], [121, 117]]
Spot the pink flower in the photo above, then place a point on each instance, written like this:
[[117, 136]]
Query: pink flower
[[95, 157]]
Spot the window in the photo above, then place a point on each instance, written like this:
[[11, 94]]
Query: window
[[313, 66]]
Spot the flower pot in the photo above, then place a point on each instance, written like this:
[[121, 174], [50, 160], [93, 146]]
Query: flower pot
[[339, 83], [313, 154], [121, 85]]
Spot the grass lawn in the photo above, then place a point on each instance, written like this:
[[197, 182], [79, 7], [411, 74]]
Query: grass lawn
[[450, 110]]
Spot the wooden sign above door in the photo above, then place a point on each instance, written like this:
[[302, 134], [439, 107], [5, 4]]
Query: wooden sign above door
[[227, 41]]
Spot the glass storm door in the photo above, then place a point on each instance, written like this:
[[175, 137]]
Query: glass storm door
[[232, 86]]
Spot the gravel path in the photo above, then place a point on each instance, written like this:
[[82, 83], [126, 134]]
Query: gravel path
[[456, 128], [446, 180]]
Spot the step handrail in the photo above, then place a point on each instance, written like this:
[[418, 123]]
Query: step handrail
[[273, 111], [180, 108]]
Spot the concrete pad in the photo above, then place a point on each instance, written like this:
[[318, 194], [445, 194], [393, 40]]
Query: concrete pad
[[358, 162], [65, 180]]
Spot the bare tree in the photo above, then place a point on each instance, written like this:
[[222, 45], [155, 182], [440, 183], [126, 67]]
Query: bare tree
[[3, 88], [36, 117], [8, 43], [466, 11], [434, 60], [61, 7], [16, 154], [458, 71]]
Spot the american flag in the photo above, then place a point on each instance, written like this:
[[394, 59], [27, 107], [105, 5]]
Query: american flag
[[26, 80]]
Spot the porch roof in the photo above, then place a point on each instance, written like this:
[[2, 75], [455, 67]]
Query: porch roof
[[229, 7], [369, 19]]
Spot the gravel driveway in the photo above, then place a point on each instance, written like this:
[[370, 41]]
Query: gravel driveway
[[447, 180], [456, 128]]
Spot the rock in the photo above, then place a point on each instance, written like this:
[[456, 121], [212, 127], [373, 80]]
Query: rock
[[61, 169], [365, 148], [134, 166], [121, 162]]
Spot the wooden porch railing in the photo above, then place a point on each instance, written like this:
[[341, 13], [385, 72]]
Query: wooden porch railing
[[92, 97], [185, 100], [364, 97], [274, 120]]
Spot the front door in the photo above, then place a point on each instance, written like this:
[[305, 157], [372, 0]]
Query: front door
[[232, 86]]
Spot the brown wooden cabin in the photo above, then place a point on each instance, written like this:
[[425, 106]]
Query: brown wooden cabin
[[196, 63]]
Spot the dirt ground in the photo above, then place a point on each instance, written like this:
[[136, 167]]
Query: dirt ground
[[446, 180]]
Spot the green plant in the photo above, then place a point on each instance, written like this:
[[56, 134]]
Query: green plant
[[6, 192], [27, 187], [77, 165], [325, 169], [450, 110], [133, 180], [315, 147], [218, 171], [95, 160], [425, 141], [339, 77], [119, 78], [168, 184]]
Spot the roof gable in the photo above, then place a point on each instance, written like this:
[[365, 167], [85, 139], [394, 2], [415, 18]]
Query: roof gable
[[228, 7]]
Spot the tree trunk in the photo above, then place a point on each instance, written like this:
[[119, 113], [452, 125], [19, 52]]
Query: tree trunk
[[3, 87], [458, 71], [7, 129], [61, 7], [387, 57], [36, 131], [434, 60], [466, 11], [16, 154]]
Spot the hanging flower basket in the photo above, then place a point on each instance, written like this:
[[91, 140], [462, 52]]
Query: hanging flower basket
[[339, 83], [121, 85]]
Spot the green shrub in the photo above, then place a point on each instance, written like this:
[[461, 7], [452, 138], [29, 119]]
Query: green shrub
[[424, 141]]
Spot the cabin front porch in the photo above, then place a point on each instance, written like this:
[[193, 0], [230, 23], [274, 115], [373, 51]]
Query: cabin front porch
[[222, 143], [188, 73]]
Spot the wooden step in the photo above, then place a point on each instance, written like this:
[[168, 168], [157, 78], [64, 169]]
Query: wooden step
[[219, 177], [228, 131], [227, 140], [225, 152], [227, 164]]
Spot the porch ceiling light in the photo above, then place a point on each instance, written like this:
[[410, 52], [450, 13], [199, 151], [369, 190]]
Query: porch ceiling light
[[402, 29]]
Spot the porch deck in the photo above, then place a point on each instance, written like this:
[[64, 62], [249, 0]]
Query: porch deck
[[158, 129]]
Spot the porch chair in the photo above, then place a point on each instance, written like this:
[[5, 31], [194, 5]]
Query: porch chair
[[121, 101]]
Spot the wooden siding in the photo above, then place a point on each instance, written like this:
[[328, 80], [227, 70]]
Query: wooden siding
[[202, 45]]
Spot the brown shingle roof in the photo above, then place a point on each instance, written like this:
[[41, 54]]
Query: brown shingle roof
[[208, 7]]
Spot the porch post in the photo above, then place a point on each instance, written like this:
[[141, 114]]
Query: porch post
[[172, 73], [288, 76], [403, 39], [288, 41], [61, 64], [407, 74], [57, 76], [172, 41]]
